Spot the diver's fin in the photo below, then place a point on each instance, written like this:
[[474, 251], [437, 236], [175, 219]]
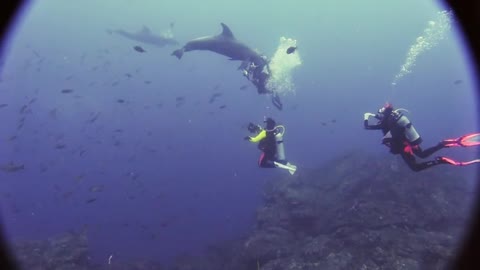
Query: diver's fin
[[465, 163], [178, 53], [290, 167], [472, 139], [276, 101], [145, 30], [450, 161], [226, 32]]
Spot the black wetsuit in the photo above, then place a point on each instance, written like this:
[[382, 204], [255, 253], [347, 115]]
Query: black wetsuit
[[268, 146], [399, 144], [260, 78], [259, 74]]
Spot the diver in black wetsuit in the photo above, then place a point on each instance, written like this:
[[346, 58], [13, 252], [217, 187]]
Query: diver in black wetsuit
[[270, 142], [402, 138], [265, 137], [259, 73]]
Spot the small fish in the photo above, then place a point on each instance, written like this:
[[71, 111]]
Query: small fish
[[79, 178], [291, 49], [120, 100], [147, 82], [23, 109], [60, 146], [91, 200], [223, 107], [12, 167], [333, 121], [139, 49], [457, 82], [128, 75], [214, 97], [97, 188], [164, 224], [67, 91], [243, 87], [3, 105], [67, 194], [94, 117]]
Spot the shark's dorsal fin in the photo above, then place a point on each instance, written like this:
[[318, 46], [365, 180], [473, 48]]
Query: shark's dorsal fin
[[145, 30], [226, 32]]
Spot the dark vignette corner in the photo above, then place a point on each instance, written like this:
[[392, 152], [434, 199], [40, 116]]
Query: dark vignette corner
[[466, 11]]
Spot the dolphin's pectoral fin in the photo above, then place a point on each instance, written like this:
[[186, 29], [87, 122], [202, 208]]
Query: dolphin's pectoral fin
[[226, 32], [178, 53], [145, 30]]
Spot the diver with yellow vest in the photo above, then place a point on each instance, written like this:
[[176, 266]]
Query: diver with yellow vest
[[402, 138], [270, 142]]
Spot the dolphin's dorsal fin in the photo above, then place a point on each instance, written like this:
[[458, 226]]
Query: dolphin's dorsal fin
[[145, 30], [226, 32]]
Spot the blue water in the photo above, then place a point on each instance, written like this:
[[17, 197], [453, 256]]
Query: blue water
[[179, 179]]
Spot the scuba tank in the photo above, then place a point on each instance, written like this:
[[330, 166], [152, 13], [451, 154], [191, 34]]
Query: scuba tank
[[280, 156], [411, 134]]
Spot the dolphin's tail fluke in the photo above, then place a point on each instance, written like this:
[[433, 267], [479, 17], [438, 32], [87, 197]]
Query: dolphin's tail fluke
[[178, 53]]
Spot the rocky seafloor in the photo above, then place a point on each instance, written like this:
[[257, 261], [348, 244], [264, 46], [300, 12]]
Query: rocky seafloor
[[358, 211]]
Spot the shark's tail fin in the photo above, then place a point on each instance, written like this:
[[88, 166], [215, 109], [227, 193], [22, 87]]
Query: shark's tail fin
[[178, 53]]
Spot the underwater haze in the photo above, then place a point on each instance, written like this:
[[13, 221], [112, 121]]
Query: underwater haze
[[145, 152]]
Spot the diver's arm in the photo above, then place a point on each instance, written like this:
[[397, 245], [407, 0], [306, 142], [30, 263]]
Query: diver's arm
[[260, 136], [366, 125]]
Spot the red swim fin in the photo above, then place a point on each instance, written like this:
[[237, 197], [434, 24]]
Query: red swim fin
[[457, 163], [472, 139]]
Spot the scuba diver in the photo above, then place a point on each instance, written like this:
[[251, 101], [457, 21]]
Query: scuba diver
[[402, 138], [270, 142], [259, 73]]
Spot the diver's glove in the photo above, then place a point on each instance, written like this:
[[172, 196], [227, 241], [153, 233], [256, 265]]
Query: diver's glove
[[247, 138], [367, 115]]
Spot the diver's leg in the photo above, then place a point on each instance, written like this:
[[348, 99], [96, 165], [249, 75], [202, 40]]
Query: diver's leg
[[419, 152], [276, 101], [416, 167], [265, 162], [411, 162]]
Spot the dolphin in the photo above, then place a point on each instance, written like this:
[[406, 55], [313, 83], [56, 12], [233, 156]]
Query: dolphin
[[254, 65], [146, 36], [224, 44]]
